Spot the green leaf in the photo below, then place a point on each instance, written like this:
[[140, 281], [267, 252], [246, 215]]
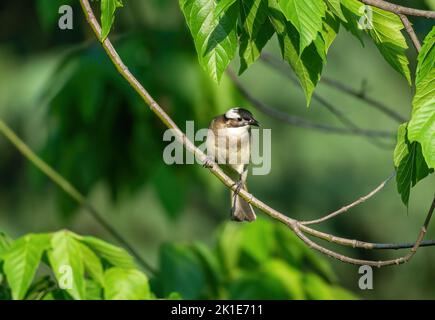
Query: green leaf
[[308, 66], [306, 16], [222, 6], [401, 149], [215, 37], [116, 256], [181, 271], [330, 30], [125, 284], [422, 124], [250, 48], [22, 260], [108, 8], [5, 243], [92, 263], [335, 7], [94, 290], [255, 32], [385, 30], [66, 257], [411, 170]]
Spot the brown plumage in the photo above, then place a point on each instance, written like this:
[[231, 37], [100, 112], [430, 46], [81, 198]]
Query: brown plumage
[[228, 143]]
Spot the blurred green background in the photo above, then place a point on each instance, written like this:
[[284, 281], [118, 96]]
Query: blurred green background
[[62, 95]]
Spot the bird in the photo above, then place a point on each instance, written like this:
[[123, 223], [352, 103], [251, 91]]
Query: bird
[[229, 144]]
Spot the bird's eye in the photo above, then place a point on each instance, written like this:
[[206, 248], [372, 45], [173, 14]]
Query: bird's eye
[[239, 119]]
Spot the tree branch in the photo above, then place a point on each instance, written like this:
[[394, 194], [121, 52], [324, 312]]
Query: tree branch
[[410, 30], [69, 189], [351, 205], [272, 61], [293, 224], [301, 122], [397, 9]]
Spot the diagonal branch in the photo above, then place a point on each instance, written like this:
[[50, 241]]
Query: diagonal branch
[[275, 63], [411, 33], [351, 205], [397, 9], [301, 122], [69, 189], [293, 224]]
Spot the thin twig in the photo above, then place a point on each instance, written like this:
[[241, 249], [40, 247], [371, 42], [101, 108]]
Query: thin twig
[[410, 30], [69, 189], [397, 9], [351, 205], [293, 224], [272, 61], [301, 122]]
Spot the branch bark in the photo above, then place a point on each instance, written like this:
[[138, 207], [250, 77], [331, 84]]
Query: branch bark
[[293, 224], [411, 33], [69, 189], [397, 9]]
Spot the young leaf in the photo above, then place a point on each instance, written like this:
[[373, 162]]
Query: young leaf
[[412, 169], [125, 284], [22, 260], [116, 256], [5, 243], [335, 7], [385, 29], [92, 263], [108, 8], [401, 149], [223, 6], [255, 32], [308, 66], [422, 124], [67, 263], [306, 16], [214, 36]]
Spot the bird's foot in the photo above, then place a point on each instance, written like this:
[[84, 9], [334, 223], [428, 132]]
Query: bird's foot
[[208, 162], [239, 186]]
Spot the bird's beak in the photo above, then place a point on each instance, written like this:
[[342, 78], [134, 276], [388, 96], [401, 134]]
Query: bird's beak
[[254, 122]]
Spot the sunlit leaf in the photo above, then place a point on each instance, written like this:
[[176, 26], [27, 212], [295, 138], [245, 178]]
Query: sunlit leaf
[[385, 30], [308, 66], [215, 38], [335, 7], [125, 284], [306, 16], [108, 8], [67, 263], [22, 260], [422, 124], [401, 149], [116, 256]]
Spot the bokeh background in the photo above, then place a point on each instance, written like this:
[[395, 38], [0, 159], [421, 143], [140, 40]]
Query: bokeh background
[[60, 93]]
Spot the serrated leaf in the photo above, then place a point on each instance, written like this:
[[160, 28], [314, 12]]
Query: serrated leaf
[[401, 149], [66, 261], [108, 8], [215, 37], [22, 260], [125, 284], [255, 32], [116, 256], [411, 170], [223, 6], [385, 30], [422, 124], [92, 264], [335, 7], [308, 66], [306, 16]]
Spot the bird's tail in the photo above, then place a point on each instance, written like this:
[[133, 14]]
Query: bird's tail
[[241, 210]]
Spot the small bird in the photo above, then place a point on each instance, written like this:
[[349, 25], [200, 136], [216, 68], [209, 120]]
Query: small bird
[[229, 144]]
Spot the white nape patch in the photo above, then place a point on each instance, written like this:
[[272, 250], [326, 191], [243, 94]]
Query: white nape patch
[[232, 113]]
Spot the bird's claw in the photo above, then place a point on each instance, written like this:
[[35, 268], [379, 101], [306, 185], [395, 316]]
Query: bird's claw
[[208, 162], [239, 186]]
